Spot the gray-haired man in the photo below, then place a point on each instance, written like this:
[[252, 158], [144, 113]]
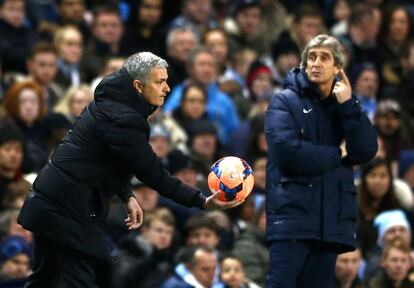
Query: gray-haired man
[[311, 198], [99, 155]]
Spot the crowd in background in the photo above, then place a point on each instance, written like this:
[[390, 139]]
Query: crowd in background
[[226, 58]]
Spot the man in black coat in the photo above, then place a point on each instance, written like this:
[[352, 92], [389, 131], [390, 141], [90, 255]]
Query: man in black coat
[[106, 147]]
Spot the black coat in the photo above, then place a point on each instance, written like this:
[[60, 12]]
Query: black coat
[[99, 155]]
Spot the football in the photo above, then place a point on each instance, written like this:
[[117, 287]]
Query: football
[[232, 177]]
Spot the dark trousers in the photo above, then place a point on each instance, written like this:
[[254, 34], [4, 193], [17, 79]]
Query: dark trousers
[[300, 264], [57, 265]]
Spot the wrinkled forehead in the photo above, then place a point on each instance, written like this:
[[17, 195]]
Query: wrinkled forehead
[[320, 50]]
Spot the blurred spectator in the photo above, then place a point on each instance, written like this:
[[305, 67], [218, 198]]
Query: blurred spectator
[[406, 90], [201, 230], [248, 28], [192, 107], [285, 56], [147, 197], [391, 225], [274, 16], [74, 101], [202, 69], [42, 67], [112, 65], [347, 268], [201, 264], [393, 128], [144, 32], [16, 40], [396, 31], [145, 260], [10, 227], [11, 157], [259, 82], [233, 274], [69, 43], [107, 32], [250, 247], [160, 141], [180, 42], [396, 264], [365, 83], [73, 12], [376, 194], [307, 24], [198, 14], [56, 126], [364, 26], [341, 14], [259, 172], [24, 103], [14, 262], [204, 146], [216, 40], [16, 194]]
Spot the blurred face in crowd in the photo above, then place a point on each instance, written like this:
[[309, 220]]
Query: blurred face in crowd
[[198, 10], [156, 88], [259, 172], [388, 124], [216, 41], [320, 67], [108, 28], [43, 67], [150, 12], [262, 84], [13, 12], [79, 101], [378, 181], [70, 46], [15, 229], [194, 103], [187, 176], [369, 27], [159, 234], [367, 83], [203, 236], [72, 11], [232, 273], [397, 231], [287, 61], [248, 21], [183, 43], [11, 156], [342, 11], [308, 27], [204, 267], [29, 106], [16, 267], [205, 145], [347, 266], [396, 264], [261, 222], [147, 198], [399, 26], [160, 145], [204, 68], [113, 65]]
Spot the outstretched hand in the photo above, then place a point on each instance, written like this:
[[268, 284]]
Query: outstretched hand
[[213, 202], [342, 89], [135, 214]]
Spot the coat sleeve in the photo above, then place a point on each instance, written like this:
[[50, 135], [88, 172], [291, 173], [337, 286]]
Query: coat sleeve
[[360, 136], [129, 143], [293, 154]]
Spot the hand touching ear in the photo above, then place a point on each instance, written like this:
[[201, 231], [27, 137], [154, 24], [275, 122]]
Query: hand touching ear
[[342, 89]]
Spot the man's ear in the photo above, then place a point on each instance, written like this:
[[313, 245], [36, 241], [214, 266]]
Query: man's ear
[[138, 86], [337, 69]]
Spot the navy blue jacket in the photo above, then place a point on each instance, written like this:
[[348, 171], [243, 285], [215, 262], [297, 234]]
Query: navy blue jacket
[[99, 155], [310, 188]]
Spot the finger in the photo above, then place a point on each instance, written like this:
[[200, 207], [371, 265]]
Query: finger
[[344, 78]]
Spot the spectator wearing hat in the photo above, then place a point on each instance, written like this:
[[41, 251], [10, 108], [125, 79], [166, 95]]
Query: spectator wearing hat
[[11, 156], [14, 262], [203, 144], [246, 28], [391, 225], [160, 141], [393, 128], [285, 56]]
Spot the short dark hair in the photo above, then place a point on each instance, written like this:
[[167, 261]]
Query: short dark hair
[[200, 221], [359, 12], [43, 47], [106, 9], [307, 10]]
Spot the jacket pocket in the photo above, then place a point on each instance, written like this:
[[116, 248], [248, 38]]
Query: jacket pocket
[[296, 196], [348, 202]]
